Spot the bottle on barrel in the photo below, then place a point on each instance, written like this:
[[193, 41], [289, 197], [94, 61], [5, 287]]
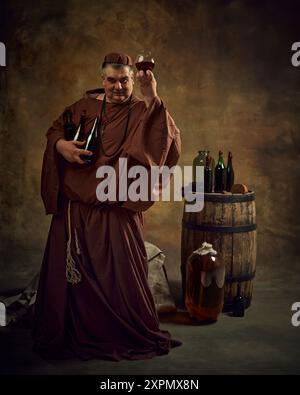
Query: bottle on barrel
[[229, 173], [199, 160], [208, 175], [220, 174]]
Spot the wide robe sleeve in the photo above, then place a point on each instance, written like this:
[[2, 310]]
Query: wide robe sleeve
[[51, 168], [54, 163], [156, 142]]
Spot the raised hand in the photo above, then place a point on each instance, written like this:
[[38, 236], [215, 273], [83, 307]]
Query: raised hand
[[148, 85]]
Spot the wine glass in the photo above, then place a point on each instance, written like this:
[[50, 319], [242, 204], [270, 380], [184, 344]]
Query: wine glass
[[144, 61]]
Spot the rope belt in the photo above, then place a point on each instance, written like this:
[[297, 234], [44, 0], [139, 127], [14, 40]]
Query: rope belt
[[72, 274]]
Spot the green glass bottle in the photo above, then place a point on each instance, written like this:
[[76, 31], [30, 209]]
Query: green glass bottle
[[200, 160], [220, 174]]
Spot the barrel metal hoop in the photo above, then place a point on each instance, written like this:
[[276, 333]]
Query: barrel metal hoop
[[239, 279], [220, 229], [224, 198]]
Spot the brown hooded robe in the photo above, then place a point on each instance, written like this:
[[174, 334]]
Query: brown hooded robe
[[108, 310]]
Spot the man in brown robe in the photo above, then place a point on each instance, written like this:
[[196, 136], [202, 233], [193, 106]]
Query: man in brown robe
[[93, 298]]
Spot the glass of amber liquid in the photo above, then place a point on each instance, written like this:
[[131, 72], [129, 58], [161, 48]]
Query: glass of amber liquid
[[144, 61]]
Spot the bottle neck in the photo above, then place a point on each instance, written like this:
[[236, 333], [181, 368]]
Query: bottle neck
[[208, 161], [221, 160], [68, 117]]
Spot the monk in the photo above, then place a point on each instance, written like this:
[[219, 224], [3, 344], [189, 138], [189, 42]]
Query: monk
[[93, 299]]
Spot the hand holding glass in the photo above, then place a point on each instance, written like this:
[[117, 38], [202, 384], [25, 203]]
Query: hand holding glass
[[144, 62]]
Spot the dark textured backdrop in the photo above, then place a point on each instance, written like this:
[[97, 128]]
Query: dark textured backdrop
[[224, 71]]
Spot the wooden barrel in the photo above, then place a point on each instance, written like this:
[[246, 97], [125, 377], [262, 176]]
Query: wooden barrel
[[227, 221]]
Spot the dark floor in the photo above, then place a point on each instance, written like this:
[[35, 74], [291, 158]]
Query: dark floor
[[262, 342]]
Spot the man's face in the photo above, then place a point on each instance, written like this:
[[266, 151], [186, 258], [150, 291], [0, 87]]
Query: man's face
[[118, 84]]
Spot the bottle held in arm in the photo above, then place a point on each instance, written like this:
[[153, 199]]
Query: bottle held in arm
[[92, 144], [74, 147]]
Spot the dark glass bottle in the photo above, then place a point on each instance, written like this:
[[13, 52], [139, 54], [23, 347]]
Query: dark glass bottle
[[92, 143], [238, 304], [69, 125], [208, 175], [229, 173], [220, 174], [212, 165]]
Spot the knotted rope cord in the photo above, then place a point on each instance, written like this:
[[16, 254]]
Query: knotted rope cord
[[77, 243], [72, 274]]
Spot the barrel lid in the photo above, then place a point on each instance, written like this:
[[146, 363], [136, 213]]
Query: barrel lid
[[229, 197]]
